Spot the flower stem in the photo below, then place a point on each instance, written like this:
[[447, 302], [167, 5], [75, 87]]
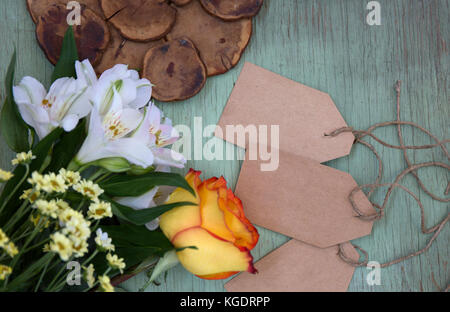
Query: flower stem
[[27, 171]]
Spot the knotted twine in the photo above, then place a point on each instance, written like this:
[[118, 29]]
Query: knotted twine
[[411, 169]]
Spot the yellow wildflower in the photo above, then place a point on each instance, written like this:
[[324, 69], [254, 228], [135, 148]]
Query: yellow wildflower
[[3, 238], [70, 177], [35, 219], [61, 245], [100, 210], [46, 248], [80, 248], [11, 249], [88, 189], [54, 183], [37, 181], [89, 275], [47, 208], [78, 229], [5, 176], [23, 158], [115, 262], [4, 271], [103, 241], [30, 195], [69, 214], [105, 283]]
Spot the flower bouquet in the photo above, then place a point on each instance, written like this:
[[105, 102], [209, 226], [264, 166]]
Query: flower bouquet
[[92, 201]]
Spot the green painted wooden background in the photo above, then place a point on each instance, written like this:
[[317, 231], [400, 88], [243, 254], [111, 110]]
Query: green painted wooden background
[[326, 45]]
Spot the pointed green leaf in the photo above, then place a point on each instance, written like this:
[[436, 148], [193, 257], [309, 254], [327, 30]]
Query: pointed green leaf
[[12, 127], [69, 55], [133, 186], [141, 217]]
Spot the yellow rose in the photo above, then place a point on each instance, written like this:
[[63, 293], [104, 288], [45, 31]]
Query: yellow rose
[[216, 225]]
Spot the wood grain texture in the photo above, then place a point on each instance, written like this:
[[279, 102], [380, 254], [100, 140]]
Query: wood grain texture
[[326, 45]]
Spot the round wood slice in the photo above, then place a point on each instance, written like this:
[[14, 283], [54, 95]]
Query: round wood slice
[[123, 51], [92, 36], [140, 20], [231, 10], [39, 7], [181, 2], [175, 69], [219, 43]]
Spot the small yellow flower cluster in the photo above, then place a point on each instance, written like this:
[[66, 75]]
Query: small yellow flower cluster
[[105, 283], [30, 195], [5, 176], [52, 183], [89, 275], [103, 241], [72, 240], [100, 210], [4, 271], [115, 262], [8, 246], [23, 158], [88, 189]]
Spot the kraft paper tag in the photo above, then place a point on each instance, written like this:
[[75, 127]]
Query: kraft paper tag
[[298, 267], [304, 200], [304, 115]]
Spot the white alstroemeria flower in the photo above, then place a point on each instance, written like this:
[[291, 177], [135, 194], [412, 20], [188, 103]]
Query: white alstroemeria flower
[[159, 133], [109, 136], [63, 106], [155, 197], [133, 92], [85, 73]]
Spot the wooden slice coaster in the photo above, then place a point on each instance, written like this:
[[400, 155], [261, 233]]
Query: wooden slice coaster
[[40, 7], [175, 69], [231, 10], [220, 43], [92, 35], [181, 2], [140, 20], [123, 51]]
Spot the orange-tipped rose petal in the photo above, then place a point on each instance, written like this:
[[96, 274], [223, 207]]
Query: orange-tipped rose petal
[[216, 225], [213, 218], [183, 217], [212, 256]]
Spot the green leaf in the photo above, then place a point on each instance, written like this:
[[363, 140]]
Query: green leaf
[[67, 147], [133, 186], [69, 55], [141, 217], [135, 244], [13, 128]]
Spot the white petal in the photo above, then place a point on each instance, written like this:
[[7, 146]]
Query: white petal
[[152, 225], [130, 119], [168, 157], [85, 73], [81, 107], [127, 91], [70, 122], [143, 94], [34, 89], [141, 202], [33, 114], [132, 150], [93, 147]]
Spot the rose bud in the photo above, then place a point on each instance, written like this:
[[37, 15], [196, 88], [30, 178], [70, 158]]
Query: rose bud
[[215, 225]]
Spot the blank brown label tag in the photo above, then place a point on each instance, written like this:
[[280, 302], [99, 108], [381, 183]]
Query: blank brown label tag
[[304, 200], [304, 115], [297, 267]]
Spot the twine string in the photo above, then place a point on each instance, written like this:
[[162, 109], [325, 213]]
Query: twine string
[[411, 169]]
